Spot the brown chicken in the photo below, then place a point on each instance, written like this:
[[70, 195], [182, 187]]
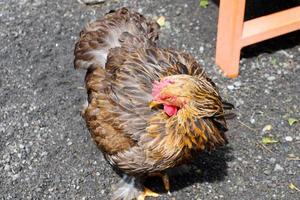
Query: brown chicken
[[149, 109]]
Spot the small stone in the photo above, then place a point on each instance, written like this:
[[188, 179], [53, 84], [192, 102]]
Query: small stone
[[208, 45], [272, 160], [15, 177], [163, 10], [271, 78], [267, 91], [201, 49], [252, 120], [267, 172], [6, 158], [6, 167], [240, 102], [178, 12], [237, 83], [44, 153], [274, 178], [290, 172], [278, 168], [167, 25], [230, 87], [288, 139]]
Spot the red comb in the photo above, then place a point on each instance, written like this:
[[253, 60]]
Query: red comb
[[158, 86]]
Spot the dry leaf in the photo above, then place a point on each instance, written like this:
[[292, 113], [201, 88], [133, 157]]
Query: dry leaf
[[267, 128], [161, 21], [293, 187]]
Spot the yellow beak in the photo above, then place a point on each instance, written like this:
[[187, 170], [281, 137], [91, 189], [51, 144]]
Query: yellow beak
[[153, 104]]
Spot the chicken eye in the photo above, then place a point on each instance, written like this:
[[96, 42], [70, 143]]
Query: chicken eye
[[160, 106]]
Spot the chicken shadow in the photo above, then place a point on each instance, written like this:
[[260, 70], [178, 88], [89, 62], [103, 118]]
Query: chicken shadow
[[260, 8], [207, 167]]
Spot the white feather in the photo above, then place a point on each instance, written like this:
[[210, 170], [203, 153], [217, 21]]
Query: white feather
[[127, 189], [100, 56]]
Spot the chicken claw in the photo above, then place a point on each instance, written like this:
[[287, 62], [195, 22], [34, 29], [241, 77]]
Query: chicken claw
[[147, 192]]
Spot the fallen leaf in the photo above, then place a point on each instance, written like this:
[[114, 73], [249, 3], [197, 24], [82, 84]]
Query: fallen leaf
[[203, 3], [293, 187], [161, 21], [292, 121], [285, 116], [268, 140], [273, 61], [267, 128]]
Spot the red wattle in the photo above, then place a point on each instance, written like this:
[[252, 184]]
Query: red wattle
[[170, 110]]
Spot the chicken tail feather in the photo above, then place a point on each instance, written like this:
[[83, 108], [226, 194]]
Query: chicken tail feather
[[120, 28]]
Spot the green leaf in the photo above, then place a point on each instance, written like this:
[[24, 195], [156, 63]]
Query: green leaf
[[273, 61], [203, 3], [292, 121], [268, 140]]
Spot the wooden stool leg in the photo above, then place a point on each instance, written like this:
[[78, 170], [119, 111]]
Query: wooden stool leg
[[230, 29]]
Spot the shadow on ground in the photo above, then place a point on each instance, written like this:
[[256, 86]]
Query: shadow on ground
[[208, 167]]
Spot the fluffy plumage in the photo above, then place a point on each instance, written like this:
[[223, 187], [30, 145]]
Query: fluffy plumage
[[126, 72]]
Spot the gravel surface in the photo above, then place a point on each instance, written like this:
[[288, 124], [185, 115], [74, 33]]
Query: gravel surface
[[46, 151]]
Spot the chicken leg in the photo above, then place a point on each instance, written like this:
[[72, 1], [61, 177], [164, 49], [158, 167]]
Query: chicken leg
[[147, 193], [165, 179]]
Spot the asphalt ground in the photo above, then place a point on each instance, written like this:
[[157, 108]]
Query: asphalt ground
[[46, 151]]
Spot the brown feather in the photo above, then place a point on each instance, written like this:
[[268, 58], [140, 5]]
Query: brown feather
[[123, 62]]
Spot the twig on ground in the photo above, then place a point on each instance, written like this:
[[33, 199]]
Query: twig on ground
[[91, 2], [252, 129], [264, 147]]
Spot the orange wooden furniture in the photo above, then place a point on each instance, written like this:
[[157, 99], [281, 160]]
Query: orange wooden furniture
[[234, 33]]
